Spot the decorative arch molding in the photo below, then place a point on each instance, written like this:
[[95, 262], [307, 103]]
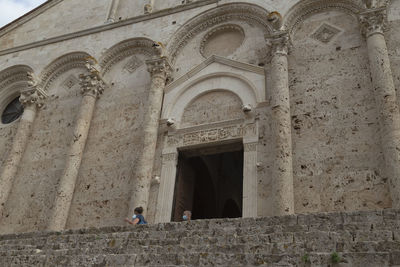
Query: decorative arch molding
[[220, 81], [15, 74], [307, 8], [227, 12], [74, 60], [125, 49]]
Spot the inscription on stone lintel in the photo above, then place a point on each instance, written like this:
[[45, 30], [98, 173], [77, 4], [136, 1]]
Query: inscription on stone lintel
[[212, 135]]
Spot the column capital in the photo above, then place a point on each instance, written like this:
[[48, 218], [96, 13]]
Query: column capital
[[373, 21], [34, 95], [279, 42], [159, 66], [92, 82]]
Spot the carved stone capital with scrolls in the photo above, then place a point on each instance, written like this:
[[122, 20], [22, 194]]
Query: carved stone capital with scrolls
[[92, 83], [159, 67], [373, 21], [33, 95], [279, 42]]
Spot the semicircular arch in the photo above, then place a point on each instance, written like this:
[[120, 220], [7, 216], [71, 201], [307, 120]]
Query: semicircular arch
[[222, 81], [13, 80], [73, 60], [125, 49], [307, 8], [255, 14]]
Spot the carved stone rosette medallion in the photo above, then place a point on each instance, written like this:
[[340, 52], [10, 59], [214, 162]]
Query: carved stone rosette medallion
[[92, 83], [373, 21]]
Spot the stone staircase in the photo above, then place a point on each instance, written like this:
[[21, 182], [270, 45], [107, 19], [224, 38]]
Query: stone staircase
[[323, 239]]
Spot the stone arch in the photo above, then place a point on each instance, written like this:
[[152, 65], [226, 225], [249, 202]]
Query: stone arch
[[125, 49], [12, 81], [60, 65], [220, 81], [221, 14], [307, 8]]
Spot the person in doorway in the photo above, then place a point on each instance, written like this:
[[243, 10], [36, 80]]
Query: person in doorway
[[137, 218], [187, 215]]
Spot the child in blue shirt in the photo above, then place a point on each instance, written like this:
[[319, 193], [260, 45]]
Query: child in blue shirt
[[137, 218]]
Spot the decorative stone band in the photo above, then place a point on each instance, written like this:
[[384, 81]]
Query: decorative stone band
[[215, 134], [159, 66], [279, 42], [373, 21], [92, 84]]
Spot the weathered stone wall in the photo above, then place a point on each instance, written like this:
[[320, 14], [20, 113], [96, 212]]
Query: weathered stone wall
[[108, 166], [336, 147]]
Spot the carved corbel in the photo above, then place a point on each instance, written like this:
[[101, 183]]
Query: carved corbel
[[92, 83]]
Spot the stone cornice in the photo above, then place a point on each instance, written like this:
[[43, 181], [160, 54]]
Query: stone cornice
[[106, 27]]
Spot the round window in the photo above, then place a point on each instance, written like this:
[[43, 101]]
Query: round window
[[12, 112]]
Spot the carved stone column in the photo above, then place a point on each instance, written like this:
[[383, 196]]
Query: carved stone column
[[250, 183], [165, 197], [282, 171], [373, 23], [31, 99], [159, 69], [92, 86]]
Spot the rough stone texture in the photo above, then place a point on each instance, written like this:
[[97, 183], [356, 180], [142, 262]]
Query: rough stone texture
[[359, 238], [338, 162]]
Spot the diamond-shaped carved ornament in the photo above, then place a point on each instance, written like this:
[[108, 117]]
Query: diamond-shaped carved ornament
[[325, 33]]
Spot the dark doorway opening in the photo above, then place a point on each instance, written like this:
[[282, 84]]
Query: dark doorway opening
[[209, 182]]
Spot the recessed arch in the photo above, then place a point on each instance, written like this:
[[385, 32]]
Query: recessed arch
[[224, 13], [307, 8], [220, 81], [125, 49], [13, 80], [61, 65]]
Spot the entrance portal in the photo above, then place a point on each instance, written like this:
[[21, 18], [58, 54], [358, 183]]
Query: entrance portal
[[209, 183]]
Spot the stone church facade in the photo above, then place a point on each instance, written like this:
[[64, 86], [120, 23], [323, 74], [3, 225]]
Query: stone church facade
[[226, 108]]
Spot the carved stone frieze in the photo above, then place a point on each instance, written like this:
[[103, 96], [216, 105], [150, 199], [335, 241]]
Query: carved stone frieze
[[92, 83], [373, 21], [212, 135], [13, 75]]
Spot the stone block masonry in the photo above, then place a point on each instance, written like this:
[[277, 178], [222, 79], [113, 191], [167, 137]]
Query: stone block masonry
[[324, 239]]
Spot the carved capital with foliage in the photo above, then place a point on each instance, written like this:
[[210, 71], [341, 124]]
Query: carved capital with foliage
[[159, 67], [92, 83], [279, 42], [33, 95], [373, 21]]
